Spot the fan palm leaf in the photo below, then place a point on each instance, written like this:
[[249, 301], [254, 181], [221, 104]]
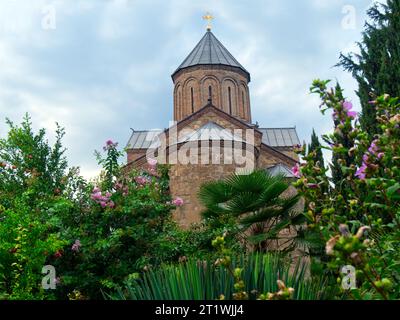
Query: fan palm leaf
[[257, 198]]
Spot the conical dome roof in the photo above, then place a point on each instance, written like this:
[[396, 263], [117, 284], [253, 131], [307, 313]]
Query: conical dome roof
[[210, 51]]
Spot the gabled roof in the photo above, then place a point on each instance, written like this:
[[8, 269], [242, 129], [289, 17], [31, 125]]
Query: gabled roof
[[281, 169], [280, 137], [211, 131], [210, 51], [143, 139], [273, 137]]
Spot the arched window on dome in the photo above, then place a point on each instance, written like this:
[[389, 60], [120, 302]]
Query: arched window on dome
[[243, 105], [230, 100], [192, 97], [210, 93]]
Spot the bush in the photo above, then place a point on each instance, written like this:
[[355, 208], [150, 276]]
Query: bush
[[359, 217], [32, 179], [95, 235]]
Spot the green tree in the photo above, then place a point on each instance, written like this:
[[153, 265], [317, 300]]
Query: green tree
[[28, 161], [32, 180], [377, 67], [359, 219], [340, 159], [261, 205], [315, 146]]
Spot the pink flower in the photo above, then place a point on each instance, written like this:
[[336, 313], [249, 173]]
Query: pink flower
[[110, 144], [296, 170], [103, 204], [152, 162], [380, 155], [141, 180], [178, 202], [373, 149], [352, 114], [361, 173], [96, 196], [76, 246], [118, 185], [347, 106], [96, 190]]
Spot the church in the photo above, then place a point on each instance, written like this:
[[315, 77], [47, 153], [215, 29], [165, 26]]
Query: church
[[212, 111]]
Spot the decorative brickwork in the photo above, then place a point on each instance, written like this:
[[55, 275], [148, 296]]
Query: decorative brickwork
[[210, 87], [228, 87]]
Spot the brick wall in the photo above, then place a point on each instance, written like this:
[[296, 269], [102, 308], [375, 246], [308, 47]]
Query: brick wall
[[191, 91]]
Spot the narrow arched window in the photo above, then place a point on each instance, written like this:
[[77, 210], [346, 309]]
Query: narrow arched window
[[210, 93], [192, 95], [244, 107], [230, 100], [180, 106]]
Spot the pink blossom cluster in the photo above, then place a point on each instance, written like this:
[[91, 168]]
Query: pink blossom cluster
[[373, 151], [152, 166], [119, 186], [296, 171], [142, 180], [104, 200], [347, 107], [178, 202], [76, 246], [109, 145]]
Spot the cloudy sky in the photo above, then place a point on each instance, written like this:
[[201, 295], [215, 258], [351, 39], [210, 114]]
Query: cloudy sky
[[101, 67]]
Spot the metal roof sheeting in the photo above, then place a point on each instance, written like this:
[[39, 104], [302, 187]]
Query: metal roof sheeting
[[273, 137], [211, 131], [281, 169], [210, 51], [280, 137], [144, 139]]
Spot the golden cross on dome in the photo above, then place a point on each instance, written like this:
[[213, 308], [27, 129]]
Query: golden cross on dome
[[209, 19]]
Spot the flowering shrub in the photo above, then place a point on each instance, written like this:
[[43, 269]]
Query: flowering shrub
[[32, 182], [119, 225], [95, 235], [364, 202], [104, 200]]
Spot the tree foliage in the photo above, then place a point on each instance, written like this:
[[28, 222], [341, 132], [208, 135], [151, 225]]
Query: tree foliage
[[377, 67], [258, 203]]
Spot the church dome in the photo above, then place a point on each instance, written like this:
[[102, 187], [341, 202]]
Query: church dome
[[210, 74], [210, 51]]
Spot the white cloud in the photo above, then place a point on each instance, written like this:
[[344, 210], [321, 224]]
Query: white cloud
[[107, 65]]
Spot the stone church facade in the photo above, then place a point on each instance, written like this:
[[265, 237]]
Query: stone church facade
[[212, 129]]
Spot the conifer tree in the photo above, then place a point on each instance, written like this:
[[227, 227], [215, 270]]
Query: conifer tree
[[315, 146], [377, 67]]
